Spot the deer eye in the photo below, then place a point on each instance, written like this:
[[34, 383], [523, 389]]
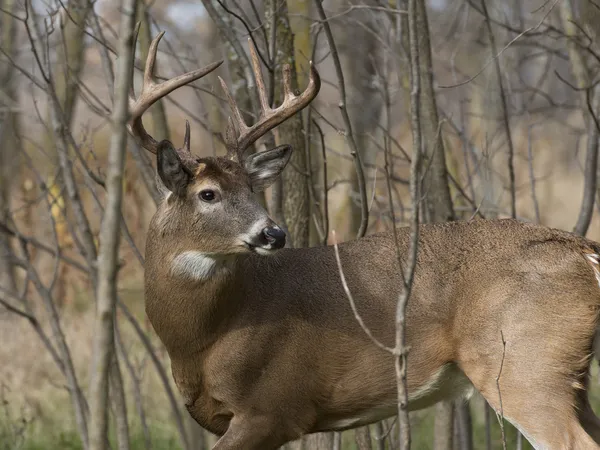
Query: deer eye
[[208, 195]]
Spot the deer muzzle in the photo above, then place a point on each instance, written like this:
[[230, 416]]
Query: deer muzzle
[[274, 236]]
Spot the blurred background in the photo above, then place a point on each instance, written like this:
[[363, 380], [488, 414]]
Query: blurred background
[[509, 108]]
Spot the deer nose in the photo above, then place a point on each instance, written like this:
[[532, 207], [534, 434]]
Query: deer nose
[[275, 236]]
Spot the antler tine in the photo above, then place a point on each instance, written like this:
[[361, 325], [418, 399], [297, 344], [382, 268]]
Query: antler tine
[[186, 138], [136, 32], [151, 92], [287, 83], [233, 106], [260, 82], [242, 138], [148, 82]]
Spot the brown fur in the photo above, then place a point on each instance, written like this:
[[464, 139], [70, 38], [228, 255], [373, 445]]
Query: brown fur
[[268, 349]]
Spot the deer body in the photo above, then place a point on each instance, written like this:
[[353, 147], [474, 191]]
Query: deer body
[[263, 341], [275, 337]]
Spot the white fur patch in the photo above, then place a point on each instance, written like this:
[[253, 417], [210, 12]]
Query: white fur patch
[[193, 264], [449, 382], [595, 260]]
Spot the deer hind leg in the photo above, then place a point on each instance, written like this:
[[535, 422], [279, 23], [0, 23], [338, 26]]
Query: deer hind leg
[[547, 418], [535, 388]]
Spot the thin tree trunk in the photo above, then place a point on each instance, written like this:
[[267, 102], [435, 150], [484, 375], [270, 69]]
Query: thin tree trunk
[[137, 391], [295, 188], [503, 112], [464, 426], [362, 437], [438, 203], [10, 149], [443, 431], [295, 182], [103, 350], [590, 99], [294, 185], [117, 393], [400, 348], [360, 55], [70, 56]]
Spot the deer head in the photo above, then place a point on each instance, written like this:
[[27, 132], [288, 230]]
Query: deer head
[[210, 205]]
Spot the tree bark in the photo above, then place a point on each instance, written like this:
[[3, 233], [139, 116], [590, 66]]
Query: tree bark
[[160, 126], [295, 182], [70, 56], [362, 436], [104, 346]]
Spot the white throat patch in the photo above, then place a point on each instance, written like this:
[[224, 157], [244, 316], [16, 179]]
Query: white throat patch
[[196, 265]]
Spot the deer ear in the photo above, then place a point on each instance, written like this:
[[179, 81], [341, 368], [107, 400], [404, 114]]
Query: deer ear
[[264, 167], [171, 169]]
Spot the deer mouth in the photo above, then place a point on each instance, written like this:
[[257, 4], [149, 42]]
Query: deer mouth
[[260, 249]]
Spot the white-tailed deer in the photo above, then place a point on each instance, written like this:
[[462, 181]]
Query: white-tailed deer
[[263, 342]]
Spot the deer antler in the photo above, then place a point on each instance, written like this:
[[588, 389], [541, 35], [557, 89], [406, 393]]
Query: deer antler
[[152, 92], [239, 136]]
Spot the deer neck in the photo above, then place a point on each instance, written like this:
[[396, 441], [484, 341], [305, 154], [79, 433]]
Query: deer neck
[[189, 297]]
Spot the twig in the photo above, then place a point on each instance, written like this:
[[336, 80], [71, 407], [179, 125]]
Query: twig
[[77, 398], [325, 189], [18, 311], [357, 315], [268, 64], [45, 248], [500, 415], [497, 54]]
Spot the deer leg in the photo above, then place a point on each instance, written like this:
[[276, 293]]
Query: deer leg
[[547, 409], [257, 433], [546, 425]]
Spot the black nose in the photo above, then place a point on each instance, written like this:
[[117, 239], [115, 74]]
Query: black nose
[[274, 236]]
